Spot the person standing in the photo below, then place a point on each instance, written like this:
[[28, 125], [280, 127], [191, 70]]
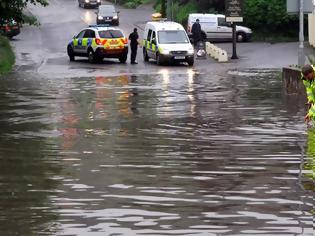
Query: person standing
[[196, 32], [133, 37]]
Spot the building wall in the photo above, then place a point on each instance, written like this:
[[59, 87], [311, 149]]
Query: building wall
[[311, 29]]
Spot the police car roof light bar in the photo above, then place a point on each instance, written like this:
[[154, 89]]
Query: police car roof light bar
[[100, 25]]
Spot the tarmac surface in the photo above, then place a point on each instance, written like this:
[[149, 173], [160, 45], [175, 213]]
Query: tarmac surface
[[42, 49]]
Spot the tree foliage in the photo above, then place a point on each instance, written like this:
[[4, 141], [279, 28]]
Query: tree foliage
[[13, 9], [269, 15], [261, 15]]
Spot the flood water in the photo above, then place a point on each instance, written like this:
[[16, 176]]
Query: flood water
[[160, 154]]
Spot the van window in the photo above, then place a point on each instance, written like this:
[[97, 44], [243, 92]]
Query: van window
[[172, 36], [153, 40], [149, 35], [222, 22]]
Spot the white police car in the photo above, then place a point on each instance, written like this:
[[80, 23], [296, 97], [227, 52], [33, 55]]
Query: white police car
[[97, 42]]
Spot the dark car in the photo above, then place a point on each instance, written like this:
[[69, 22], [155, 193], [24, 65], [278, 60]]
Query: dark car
[[89, 3], [9, 28], [107, 14]]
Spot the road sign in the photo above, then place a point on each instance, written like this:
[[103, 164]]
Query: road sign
[[234, 10], [293, 6], [234, 19]]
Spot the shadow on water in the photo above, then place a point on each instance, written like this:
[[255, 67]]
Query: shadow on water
[[164, 154]]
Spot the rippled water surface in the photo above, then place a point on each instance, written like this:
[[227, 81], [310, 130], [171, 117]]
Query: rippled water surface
[[161, 154]]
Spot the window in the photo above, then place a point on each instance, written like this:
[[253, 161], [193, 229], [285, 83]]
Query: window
[[222, 22], [89, 34], [153, 40], [172, 36], [106, 9], [80, 35], [149, 35], [110, 34]]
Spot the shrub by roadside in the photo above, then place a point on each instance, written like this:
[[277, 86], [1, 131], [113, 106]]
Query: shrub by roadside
[[7, 57]]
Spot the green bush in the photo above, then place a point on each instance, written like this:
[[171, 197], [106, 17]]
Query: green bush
[[270, 16], [181, 12], [7, 57], [131, 4]]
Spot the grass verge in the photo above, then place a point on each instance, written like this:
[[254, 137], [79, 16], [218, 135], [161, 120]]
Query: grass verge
[[7, 57]]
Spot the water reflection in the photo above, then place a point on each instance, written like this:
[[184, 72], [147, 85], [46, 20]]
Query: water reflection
[[164, 154], [29, 163]]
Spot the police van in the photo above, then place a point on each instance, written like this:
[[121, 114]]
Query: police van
[[215, 28], [165, 42]]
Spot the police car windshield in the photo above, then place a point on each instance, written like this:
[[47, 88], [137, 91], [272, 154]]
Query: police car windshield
[[172, 36], [110, 34]]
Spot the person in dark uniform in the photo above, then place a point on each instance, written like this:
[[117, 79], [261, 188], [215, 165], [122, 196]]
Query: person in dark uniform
[[196, 32], [133, 37]]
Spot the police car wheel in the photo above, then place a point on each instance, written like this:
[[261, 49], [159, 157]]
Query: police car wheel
[[91, 56], [123, 58], [70, 53], [145, 55]]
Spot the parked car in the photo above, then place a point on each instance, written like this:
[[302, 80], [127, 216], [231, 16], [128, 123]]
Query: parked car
[[10, 28], [215, 28], [89, 3], [97, 42], [107, 14]]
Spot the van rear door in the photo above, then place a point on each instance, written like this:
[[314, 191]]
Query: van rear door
[[209, 26]]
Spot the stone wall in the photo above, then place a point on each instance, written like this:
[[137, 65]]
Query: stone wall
[[292, 82]]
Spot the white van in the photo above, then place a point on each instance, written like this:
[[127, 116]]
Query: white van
[[215, 28], [167, 41]]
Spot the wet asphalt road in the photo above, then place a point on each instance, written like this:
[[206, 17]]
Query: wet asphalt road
[[168, 150], [43, 49]]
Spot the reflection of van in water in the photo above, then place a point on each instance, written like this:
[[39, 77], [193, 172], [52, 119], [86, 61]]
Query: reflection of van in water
[[215, 28], [167, 41]]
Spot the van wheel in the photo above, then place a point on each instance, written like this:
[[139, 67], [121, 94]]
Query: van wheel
[[190, 62], [203, 36], [240, 37], [145, 55], [158, 59]]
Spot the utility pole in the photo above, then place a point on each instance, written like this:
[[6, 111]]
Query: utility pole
[[234, 55], [168, 9], [301, 59]]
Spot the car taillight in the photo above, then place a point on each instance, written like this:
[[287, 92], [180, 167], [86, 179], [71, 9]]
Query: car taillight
[[98, 41], [124, 40], [7, 28]]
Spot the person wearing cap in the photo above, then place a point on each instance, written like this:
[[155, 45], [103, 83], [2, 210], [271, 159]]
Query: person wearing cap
[[196, 32], [133, 37]]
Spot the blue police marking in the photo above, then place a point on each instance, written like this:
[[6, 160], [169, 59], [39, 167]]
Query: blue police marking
[[80, 42], [89, 42]]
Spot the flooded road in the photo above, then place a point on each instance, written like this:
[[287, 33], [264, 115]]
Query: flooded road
[[162, 154]]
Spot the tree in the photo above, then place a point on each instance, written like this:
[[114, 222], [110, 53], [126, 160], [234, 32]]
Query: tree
[[163, 8], [13, 9], [269, 15]]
